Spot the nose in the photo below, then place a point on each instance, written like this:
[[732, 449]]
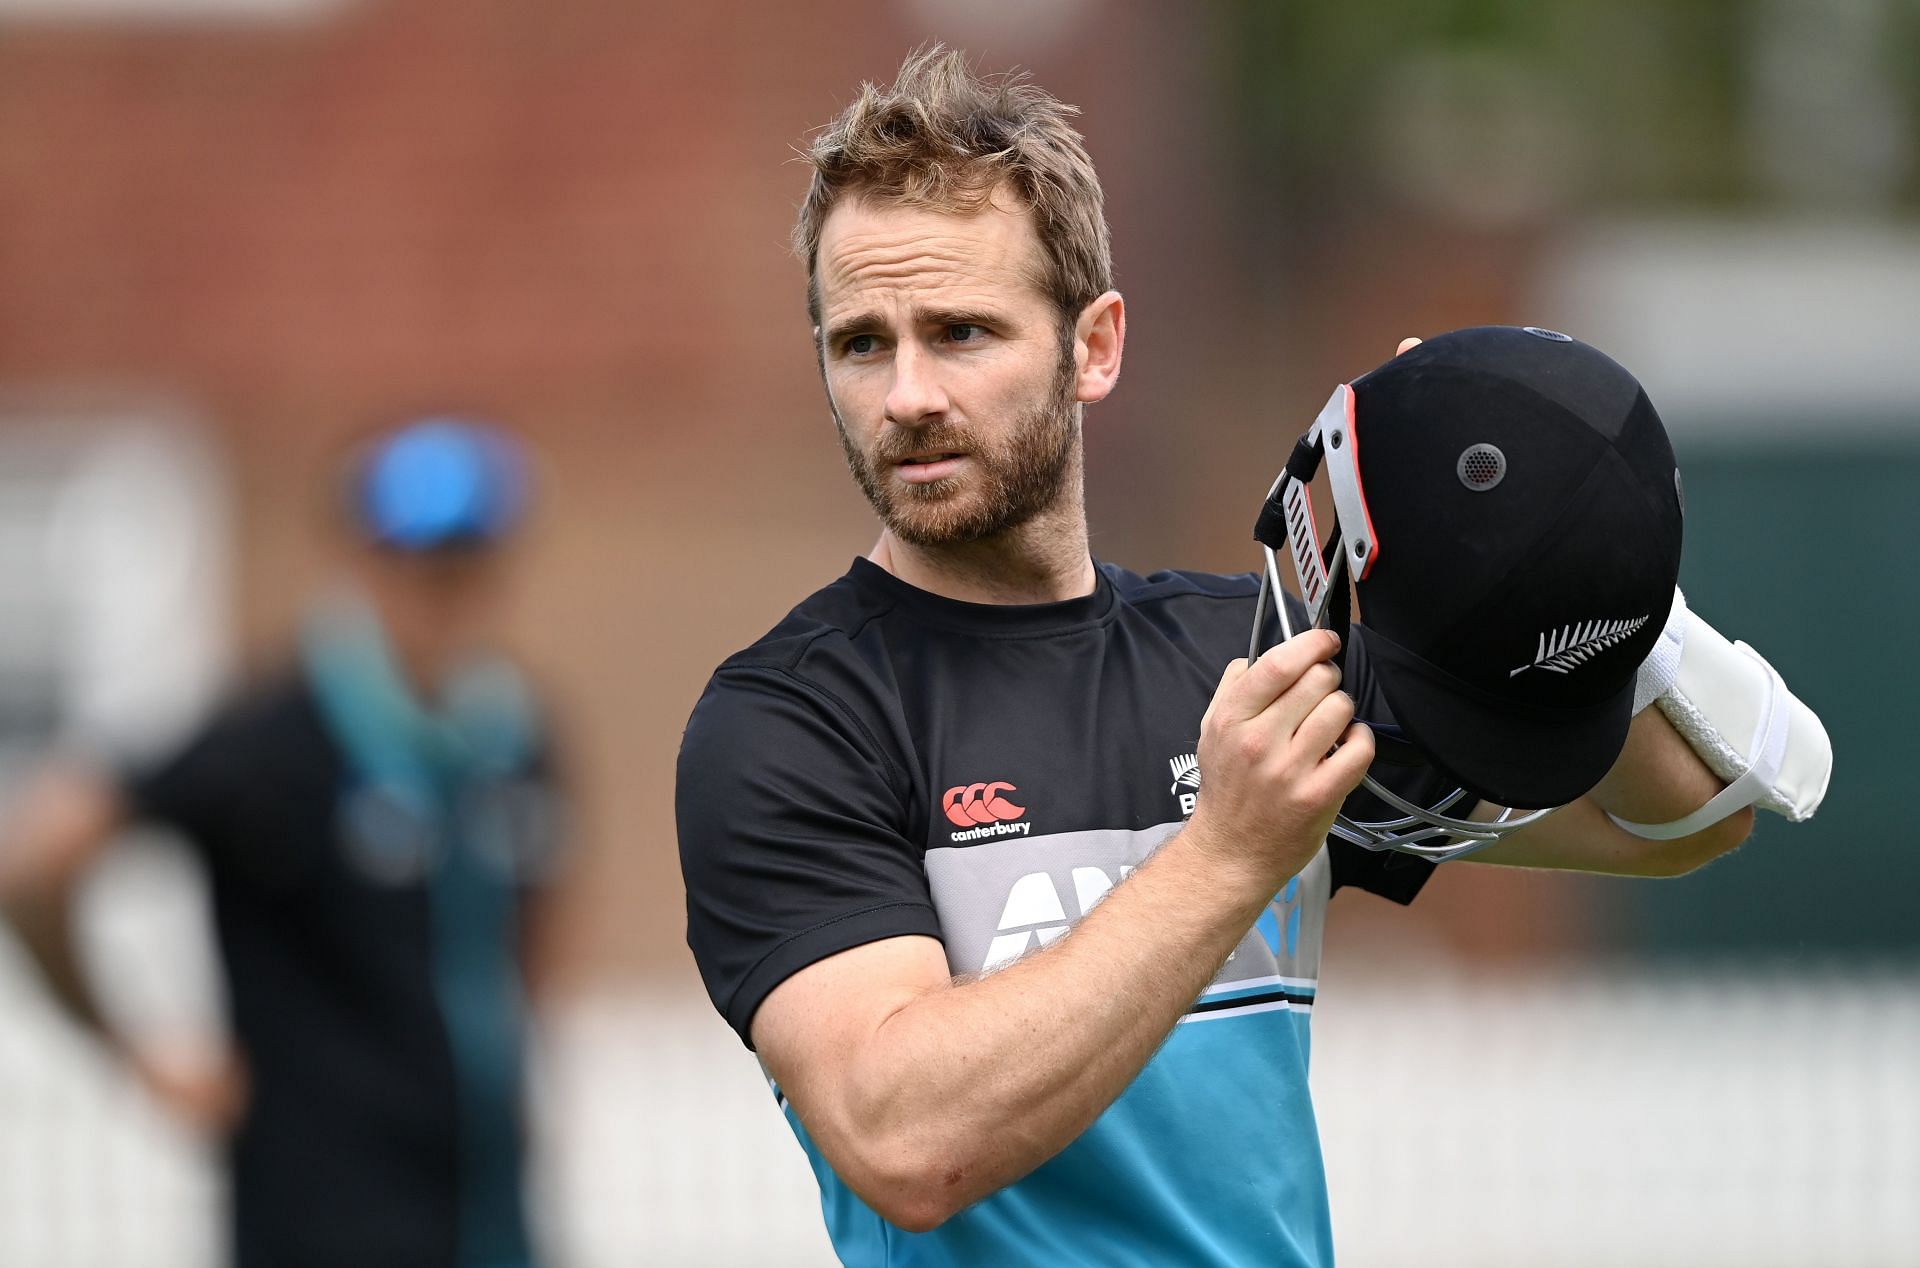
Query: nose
[[915, 395]]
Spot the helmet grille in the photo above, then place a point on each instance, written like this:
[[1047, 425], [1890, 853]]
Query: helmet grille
[[1481, 467]]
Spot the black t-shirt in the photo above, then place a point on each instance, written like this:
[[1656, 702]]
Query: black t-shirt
[[836, 771], [888, 762], [325, 901]]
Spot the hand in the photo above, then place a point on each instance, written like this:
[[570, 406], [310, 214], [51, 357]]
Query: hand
[[1271, 777], [203, 1088]]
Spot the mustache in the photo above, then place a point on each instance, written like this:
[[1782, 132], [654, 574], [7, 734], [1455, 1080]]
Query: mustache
[[898, 444]]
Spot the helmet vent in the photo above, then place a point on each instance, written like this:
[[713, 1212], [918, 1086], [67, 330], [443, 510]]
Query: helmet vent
[[1481, 467]]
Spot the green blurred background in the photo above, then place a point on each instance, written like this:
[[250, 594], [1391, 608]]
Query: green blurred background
[[250, 228]]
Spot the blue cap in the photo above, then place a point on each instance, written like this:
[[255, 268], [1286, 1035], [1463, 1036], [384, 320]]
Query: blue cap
[[440, 482]]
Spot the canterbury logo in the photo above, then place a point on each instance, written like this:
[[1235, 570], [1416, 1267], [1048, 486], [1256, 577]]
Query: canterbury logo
[[1574, 645], [968, 804]]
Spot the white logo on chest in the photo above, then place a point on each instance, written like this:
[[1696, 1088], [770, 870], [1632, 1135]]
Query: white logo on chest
[[1186, 774], [1034, 916]]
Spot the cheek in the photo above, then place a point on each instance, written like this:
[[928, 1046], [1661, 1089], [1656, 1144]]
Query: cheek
[[1016, 392], [853, 405]]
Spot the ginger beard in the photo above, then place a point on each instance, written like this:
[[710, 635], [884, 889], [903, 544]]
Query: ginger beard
[[1015, 480]]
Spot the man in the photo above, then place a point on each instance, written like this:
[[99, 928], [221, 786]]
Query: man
[[937, 876], [375, 821]]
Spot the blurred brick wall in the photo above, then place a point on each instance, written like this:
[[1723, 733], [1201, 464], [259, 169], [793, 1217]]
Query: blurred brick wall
[[570, 216], [573, 215]]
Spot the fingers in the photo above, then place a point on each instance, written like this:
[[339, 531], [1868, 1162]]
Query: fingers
[[1234, 672], [1246, 691], [1347, 765], [1284, 711], [1280, 751], [1338, 748], [1325, 723]]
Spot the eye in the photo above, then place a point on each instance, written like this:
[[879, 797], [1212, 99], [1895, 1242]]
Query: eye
[[858, 345], [966, 332]]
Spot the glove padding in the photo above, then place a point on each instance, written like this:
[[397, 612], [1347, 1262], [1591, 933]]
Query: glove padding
[[1736, 712]]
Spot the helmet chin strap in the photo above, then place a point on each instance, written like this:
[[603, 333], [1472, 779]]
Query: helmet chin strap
[[1429, 832]]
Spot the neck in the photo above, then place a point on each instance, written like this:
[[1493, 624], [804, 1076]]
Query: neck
[[425, 658], [423, 670], [1045, 560]]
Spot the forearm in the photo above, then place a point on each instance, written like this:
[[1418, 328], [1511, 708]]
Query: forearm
[[965, 1089], [43, 924], [1657, 778], [61, 822]]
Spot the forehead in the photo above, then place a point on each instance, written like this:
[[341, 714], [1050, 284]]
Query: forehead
[[872, 252]]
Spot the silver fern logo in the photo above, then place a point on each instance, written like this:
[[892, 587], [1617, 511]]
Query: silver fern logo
[[1186, 781], [1574, 645]]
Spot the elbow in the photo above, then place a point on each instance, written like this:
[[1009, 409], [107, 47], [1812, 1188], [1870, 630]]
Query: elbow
[[1689, 854], [921, 1195], [915, 1213], [911, 1186]]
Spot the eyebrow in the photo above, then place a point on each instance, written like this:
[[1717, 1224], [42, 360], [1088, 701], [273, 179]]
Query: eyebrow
[[848, 327], [865, 323], [958, 317]]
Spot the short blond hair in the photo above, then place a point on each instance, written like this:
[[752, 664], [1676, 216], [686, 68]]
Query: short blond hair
[[946, 139]]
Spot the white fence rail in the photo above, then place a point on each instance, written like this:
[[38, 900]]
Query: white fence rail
[[1584, 1116]]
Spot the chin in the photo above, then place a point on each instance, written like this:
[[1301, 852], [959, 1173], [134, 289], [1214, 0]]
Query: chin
[[933, 515], [951, 532]]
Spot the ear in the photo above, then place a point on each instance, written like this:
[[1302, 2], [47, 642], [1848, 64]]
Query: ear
[[1099, 338]]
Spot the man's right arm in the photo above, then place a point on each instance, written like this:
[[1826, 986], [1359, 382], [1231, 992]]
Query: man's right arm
[[63, 820], [927, 1093]]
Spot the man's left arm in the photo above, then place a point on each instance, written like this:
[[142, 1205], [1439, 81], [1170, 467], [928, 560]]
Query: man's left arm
[[1657, 779], [1717, 732]]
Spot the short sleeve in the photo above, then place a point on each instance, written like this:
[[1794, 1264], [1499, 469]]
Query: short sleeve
[[251, 788], [791, 819], [1391, 874], [191, 789]]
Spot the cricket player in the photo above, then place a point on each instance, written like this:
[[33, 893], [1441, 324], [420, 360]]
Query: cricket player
[[1008, 863]]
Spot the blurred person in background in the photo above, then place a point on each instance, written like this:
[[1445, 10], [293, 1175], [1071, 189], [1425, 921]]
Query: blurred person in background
[[937, 878], [377, 821]]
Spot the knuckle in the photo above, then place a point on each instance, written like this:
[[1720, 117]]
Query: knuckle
[[1361, 738], [1285, 654]]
